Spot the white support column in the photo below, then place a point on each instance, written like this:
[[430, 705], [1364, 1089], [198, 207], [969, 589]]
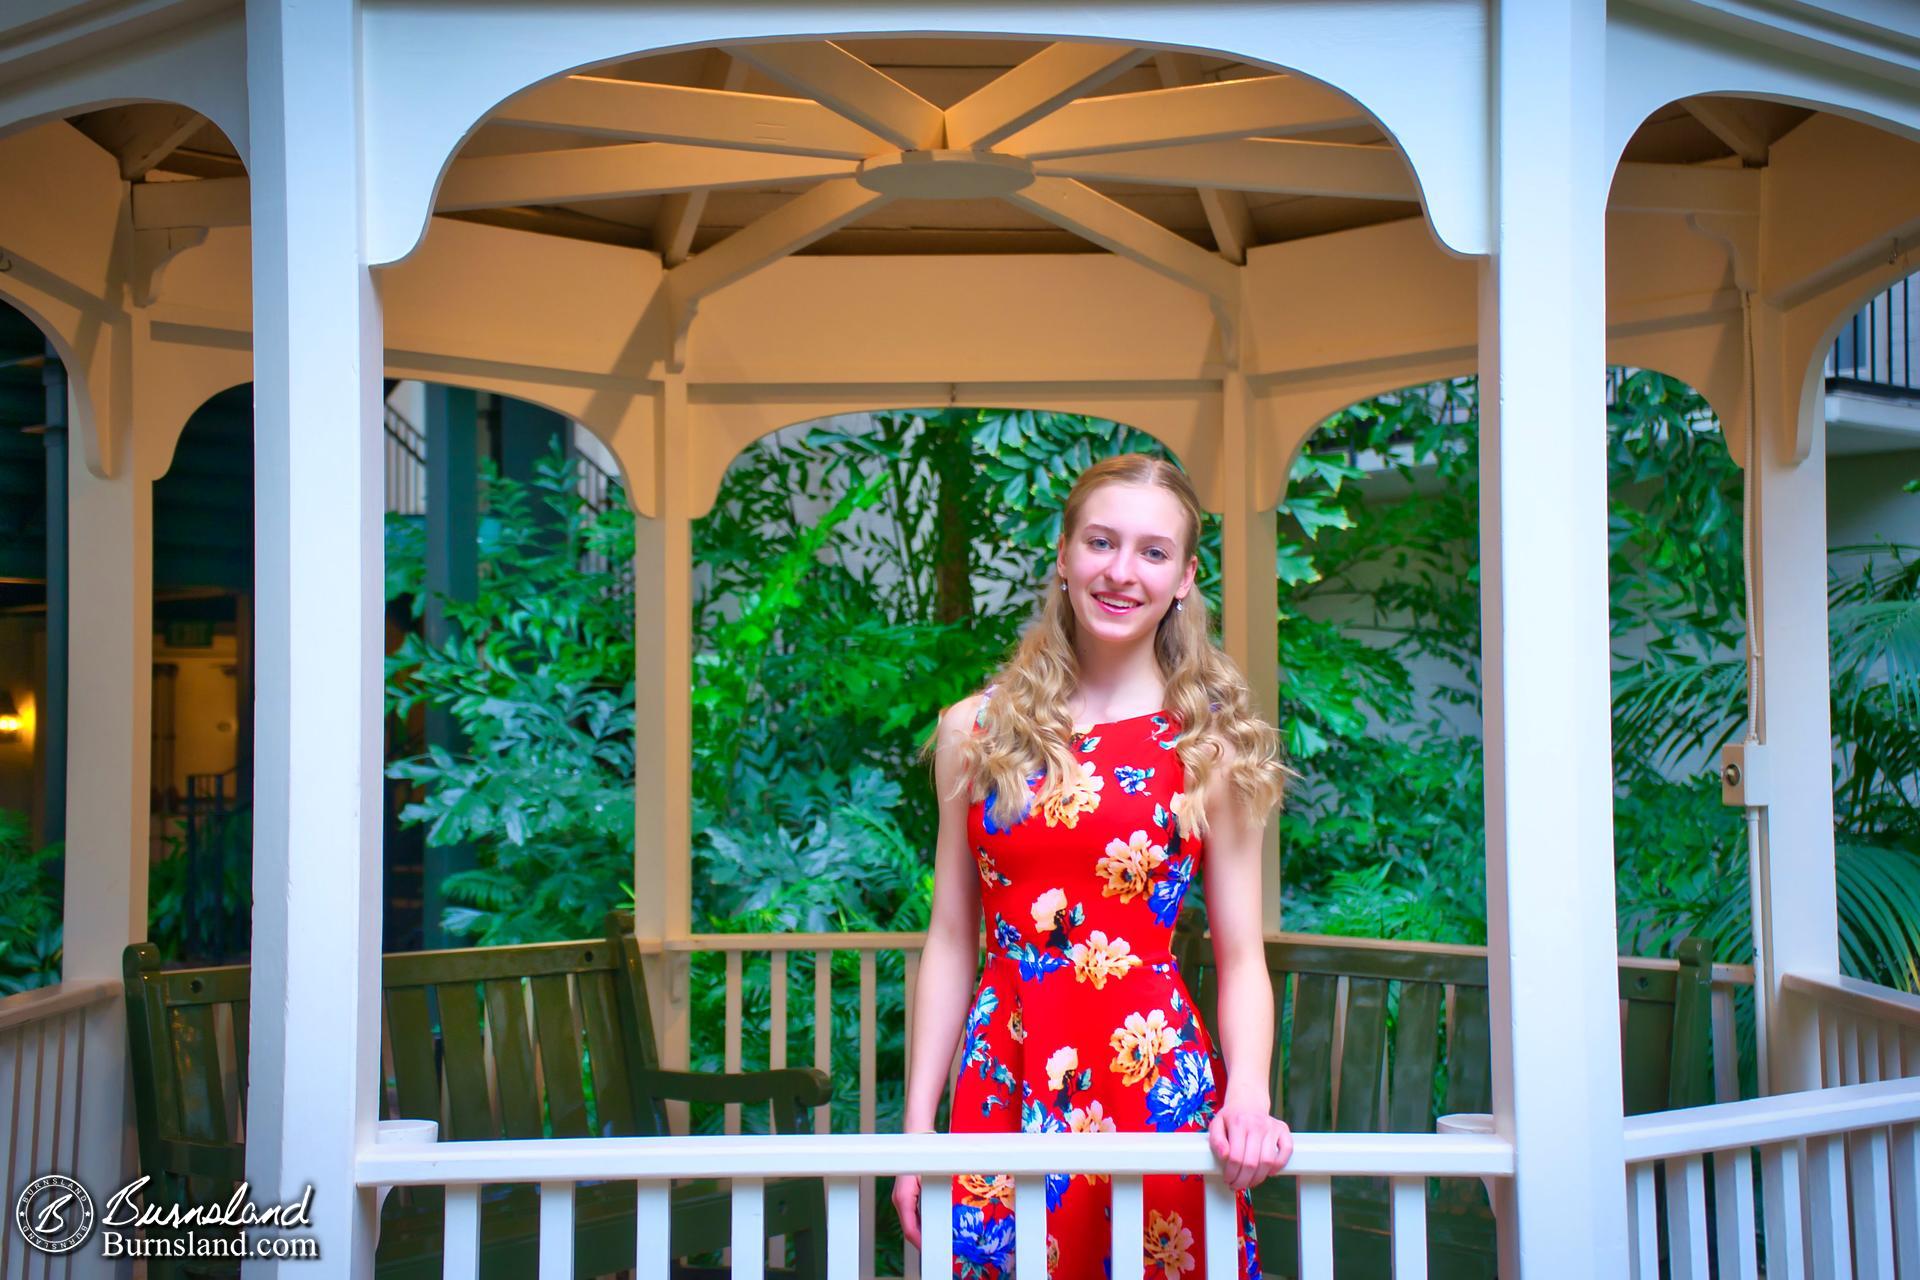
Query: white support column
[[1798, 911], [319, 556], [1543, 560], [110, 735], [1249, 626], [663, 715]]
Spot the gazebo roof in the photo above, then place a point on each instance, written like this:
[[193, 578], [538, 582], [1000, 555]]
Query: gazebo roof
[[756, 177]]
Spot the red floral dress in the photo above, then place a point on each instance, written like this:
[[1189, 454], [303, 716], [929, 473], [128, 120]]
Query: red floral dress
[[1081, 1021]]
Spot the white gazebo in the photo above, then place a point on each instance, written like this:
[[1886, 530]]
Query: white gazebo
[[687, 226]]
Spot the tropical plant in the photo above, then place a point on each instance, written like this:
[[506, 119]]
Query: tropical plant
[[538, 673], [30, 885]]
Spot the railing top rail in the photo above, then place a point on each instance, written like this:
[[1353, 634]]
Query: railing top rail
[[1855, 996], [1757, 1122], [1732, 975], [856, 1155], [1724, 975], [786, 942], [28, 1007]]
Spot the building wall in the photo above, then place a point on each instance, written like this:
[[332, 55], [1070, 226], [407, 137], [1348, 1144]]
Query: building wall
[[22, 673]]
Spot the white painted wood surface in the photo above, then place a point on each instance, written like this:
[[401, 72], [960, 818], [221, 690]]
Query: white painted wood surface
[[319, 431]]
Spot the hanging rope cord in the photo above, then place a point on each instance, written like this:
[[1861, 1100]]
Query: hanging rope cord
[[1757, 873], [1749, 501]]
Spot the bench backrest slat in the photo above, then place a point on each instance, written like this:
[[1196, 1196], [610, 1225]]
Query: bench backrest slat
[[505, 1000], [416, 1071], [560, 1055], [1363, 1057], [469, 1105], [1416, 1056], [1309, 1101], [607, 1052]]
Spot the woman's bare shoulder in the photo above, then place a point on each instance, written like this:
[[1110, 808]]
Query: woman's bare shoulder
[[959, 719]]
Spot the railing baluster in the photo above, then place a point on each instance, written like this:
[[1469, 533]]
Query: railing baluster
[[556, 1231], [1869, 1052], [12, 1079], [1643, 1223], [843, 1227], [1726, 1057], [1316, 1232], [823, 1031], [1410, 1228], [869, 1073], [1786, 1236], [749, 1228], [936, 1228], [1733, 1218], [461, 1248], [653, 1258], [1829, 1047], [1030, 1224], [1827, 1193], [1687, 1218], [1872, 1217], [731, 1034], [777, 1009], [1903, 1158], [1129, 1227], [1850, 1052]]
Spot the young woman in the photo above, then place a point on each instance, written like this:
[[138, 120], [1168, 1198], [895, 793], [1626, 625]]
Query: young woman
[[1079, 796]]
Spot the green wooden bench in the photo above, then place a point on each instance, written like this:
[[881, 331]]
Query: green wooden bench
[[1375, 1038], [548, 1040]]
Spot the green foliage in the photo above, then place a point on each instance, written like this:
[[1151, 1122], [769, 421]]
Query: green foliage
[[30, 884], [538, 673], [1379, 659], [178, 899]]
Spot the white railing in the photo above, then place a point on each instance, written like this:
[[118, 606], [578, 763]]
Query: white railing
[[777, 948], [745, 953], [1867, 1032], [845, 1161], [1839, 1186], [43, 1059]]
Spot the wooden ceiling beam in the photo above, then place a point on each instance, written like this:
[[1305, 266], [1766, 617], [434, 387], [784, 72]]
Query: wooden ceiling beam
[[788, 229], [634, 111], [1228, 215], [1034, 89], [619, 172], [1113, 226], [1684, 188], [831, 76], [1252, 164], [208, 202], [1728, 121], [678, 219], [1230, 109]]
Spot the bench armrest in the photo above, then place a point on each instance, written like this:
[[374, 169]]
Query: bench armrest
[[801, 1086]]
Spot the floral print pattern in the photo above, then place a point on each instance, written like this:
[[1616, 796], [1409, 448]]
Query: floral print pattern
[[1081, 1022]]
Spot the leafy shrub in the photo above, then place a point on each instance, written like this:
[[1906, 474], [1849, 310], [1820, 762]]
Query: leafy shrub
[[30, 885]]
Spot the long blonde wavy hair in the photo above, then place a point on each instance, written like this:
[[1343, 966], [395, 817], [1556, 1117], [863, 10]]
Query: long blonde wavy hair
[[1025, 725]]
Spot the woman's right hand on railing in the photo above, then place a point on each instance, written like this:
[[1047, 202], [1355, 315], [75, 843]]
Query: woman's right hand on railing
[[906, 1203]]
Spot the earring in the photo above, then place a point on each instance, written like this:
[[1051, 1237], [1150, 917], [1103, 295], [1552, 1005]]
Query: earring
[[1063, 584], [1180, 605]]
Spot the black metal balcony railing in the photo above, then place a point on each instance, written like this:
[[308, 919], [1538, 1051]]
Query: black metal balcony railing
[[406, 466], [1878, 349]]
